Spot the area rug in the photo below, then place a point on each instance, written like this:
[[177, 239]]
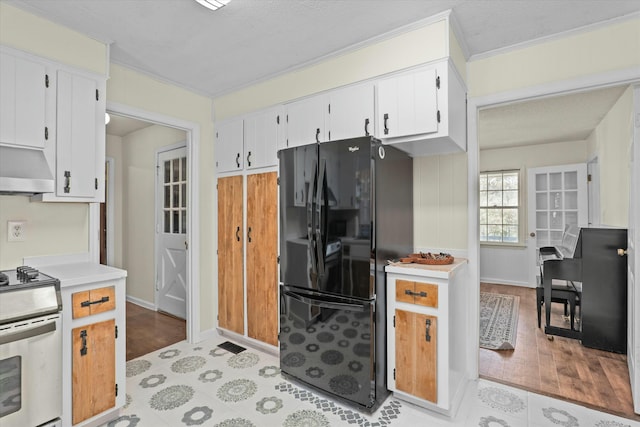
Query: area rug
[[498, 321]]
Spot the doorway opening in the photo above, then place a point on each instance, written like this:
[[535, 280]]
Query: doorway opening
[[132, 223], [522, 136]]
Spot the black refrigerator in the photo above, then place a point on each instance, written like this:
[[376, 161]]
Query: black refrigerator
[[346, 207]]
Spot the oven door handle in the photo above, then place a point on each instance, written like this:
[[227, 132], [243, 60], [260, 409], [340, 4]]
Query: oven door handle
[[28, 333]]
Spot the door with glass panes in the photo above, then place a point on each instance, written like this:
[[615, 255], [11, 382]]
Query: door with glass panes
[[171, 232], [557, 197]]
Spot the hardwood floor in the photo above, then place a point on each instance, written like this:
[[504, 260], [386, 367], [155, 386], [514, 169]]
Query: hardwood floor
[[149, 330], [561, 368]]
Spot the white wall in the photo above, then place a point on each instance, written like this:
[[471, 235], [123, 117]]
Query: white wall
[[611, 143]]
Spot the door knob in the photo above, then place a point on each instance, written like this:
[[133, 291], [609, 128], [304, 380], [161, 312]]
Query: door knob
[[532, 234], [622, 252]]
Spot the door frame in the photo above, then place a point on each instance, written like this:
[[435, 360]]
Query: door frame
[[474, 105], [110, 164], [157, 200], [192, 131]]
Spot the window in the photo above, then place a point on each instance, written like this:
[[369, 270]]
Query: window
[[499, 207]]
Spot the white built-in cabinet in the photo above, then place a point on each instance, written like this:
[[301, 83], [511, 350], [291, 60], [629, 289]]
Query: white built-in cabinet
[[423, 110], [61, 110], [427, 354], [25, 89], [250, 142], [342, 113]]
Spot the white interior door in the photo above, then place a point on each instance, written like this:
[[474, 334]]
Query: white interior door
[[557, 196], [633, 258], [171, 232]]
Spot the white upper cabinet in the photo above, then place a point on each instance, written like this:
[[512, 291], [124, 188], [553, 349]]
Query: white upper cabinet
[[263, 136], [306, 121], [423, 110], [408, 104], [24, 89], [351, 112], [229, 145]]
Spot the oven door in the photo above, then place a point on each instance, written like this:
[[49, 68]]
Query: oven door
[[30, 371], [327, 342]]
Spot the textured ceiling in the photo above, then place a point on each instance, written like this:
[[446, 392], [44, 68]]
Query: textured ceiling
[[250, 40]]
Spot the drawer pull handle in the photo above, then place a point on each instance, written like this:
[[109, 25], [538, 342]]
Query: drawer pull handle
[[427, 336], [99, 301], [83, 336], [421, 294]]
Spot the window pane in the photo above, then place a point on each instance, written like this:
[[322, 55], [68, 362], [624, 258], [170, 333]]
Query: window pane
[[176, 196], [495, 198], [167, 171], [167, 221], [510, 198], [483, 233], [510, 216], [556, 221], [541, 220], [495, 181], [483, 216], [184, 168], [495, 233], [510, 234], [184, 221], [555, 181], [176, 222], [541, 182], [176, 170], [183, 190], [483, 198], [571, 180], [483, 182], [494, 216], [167, 196], [555, 200], [510, 181]]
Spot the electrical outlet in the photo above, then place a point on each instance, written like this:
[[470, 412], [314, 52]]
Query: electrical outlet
[[16, 231]]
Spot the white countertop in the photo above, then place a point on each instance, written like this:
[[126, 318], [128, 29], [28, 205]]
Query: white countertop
[[425, 270], [79, 273]]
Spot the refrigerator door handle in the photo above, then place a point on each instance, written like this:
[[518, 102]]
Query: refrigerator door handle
[[324, 303], [310, 222], [320, 190]]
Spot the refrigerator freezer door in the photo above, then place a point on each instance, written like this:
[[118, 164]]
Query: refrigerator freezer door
[[327, 342]]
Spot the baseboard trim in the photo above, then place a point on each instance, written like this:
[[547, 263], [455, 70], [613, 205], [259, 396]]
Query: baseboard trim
[[505, 282], [142, 303]]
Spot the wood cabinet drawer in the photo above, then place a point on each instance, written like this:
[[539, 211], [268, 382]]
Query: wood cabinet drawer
[[94, 301], [419, 293]]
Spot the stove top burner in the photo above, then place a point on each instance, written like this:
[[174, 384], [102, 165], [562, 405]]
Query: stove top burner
[[23, 277], [25, 293]]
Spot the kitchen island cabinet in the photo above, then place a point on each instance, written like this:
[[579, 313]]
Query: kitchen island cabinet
[[426, 334], [93, 341]]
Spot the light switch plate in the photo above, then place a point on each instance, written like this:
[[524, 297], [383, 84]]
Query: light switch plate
[[16, 231]]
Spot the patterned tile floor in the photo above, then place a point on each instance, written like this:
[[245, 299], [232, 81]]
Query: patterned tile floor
[[203, 385]]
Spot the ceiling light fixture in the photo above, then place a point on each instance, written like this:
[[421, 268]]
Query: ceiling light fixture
[[213, 4]]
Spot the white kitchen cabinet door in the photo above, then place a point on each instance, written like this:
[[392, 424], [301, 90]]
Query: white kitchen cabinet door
[[262, 138], [80, 141], [351, 112], [23, 112], [229, 146], [407, 104], [305, 121]]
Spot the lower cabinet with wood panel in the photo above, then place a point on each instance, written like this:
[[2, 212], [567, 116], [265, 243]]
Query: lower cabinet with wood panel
[[248, 256], [93, 342], [427, 358]]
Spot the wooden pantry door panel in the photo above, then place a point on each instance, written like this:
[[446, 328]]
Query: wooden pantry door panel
[[262, 254], [230, 262]]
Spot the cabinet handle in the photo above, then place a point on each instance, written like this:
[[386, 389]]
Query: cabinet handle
[[249, 159], [67, 181], [238, 160], [427, 336], [83, 336], [366, 127], [386, 119], [238, 234], [318, 135], [249, 234], [99, 301], [421, 294]]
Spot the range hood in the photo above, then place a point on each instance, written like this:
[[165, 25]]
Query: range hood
[[24, 171]]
